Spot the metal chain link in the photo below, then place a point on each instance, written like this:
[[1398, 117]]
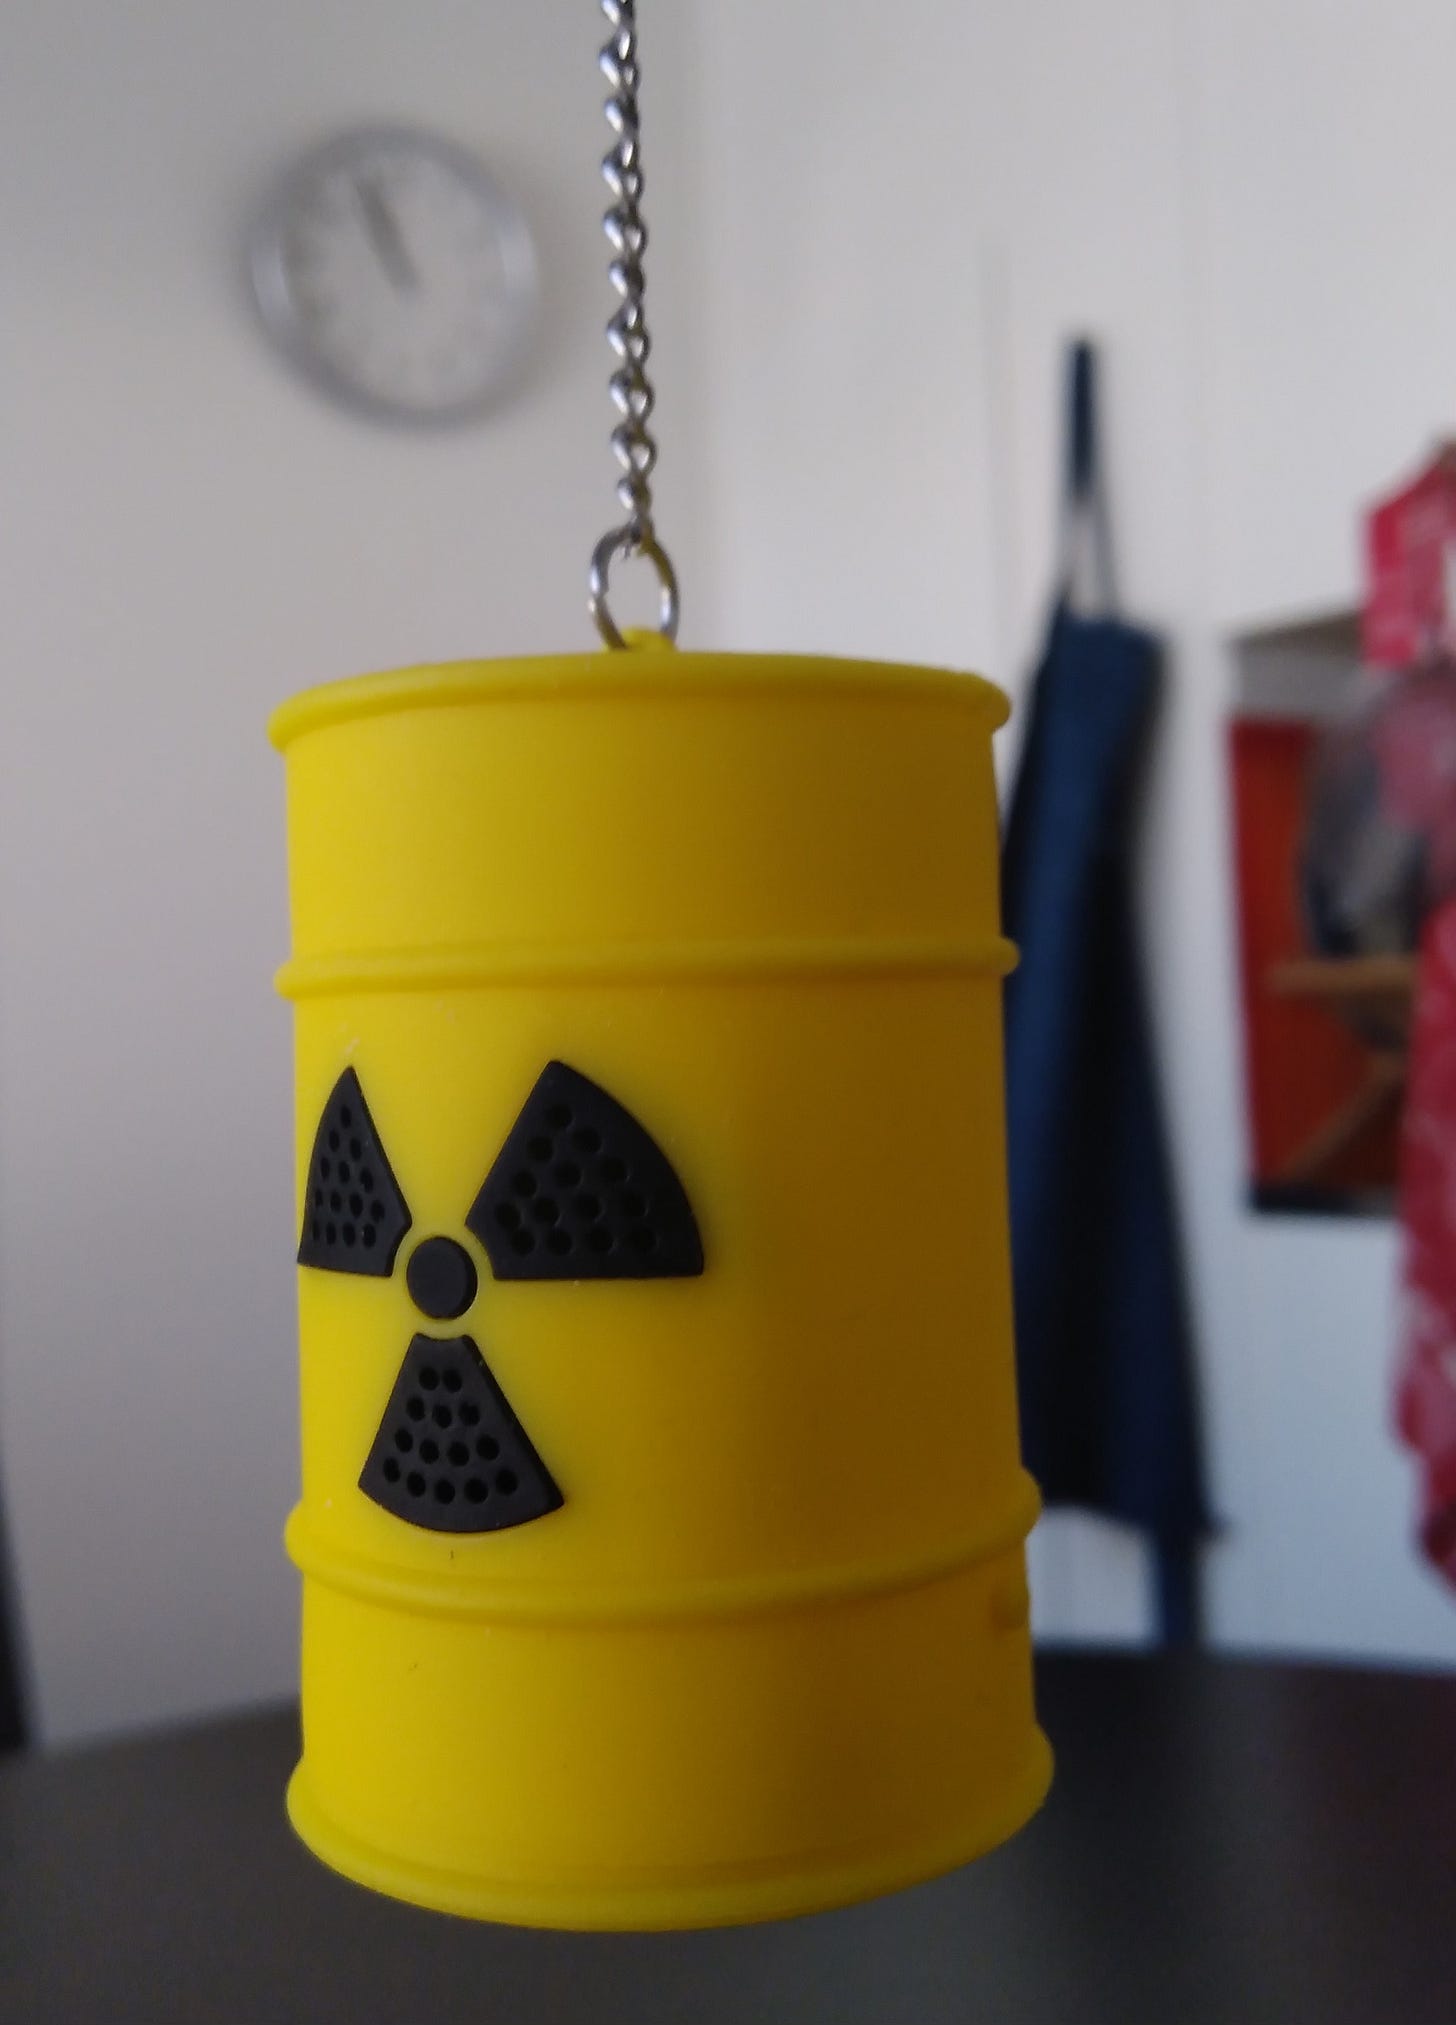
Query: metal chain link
[[631, 390]]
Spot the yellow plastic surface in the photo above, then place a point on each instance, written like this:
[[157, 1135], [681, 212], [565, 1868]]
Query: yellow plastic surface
[[772, 1652]]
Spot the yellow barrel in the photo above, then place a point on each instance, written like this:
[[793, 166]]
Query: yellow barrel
[[662, 1518]]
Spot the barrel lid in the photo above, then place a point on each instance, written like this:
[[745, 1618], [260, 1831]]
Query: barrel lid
[[590, 677]]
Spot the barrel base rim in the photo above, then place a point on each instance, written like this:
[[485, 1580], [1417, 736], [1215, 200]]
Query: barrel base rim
[[660, 1902]]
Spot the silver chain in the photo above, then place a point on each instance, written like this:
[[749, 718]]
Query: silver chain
[[632, 392]]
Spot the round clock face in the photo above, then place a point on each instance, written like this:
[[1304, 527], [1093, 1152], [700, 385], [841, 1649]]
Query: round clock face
[[398, 275]]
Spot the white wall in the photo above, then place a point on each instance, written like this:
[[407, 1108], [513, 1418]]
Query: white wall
[[1324, 332], [872, 230], [187, 535], [1321, 133], [914, 210]]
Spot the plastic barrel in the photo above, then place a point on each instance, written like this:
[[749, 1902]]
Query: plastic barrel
[[662, 1515]]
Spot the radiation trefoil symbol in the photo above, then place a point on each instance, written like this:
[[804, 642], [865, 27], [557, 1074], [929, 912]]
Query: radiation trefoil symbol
[[579, 1191]]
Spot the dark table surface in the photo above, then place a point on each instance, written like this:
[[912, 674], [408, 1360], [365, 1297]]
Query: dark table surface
[[1231, 1842]]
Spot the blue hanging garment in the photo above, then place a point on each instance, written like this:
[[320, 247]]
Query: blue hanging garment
[[1103, 1345]]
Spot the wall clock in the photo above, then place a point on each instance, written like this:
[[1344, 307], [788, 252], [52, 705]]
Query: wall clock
[[396, 273]]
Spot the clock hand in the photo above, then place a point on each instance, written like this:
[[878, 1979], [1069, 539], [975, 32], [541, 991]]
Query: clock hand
[[382, 225]]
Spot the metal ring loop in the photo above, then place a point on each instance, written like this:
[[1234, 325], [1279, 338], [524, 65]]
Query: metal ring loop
[[625, 541]]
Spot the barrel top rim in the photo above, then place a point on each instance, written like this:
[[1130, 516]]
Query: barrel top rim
[[668, 674]]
